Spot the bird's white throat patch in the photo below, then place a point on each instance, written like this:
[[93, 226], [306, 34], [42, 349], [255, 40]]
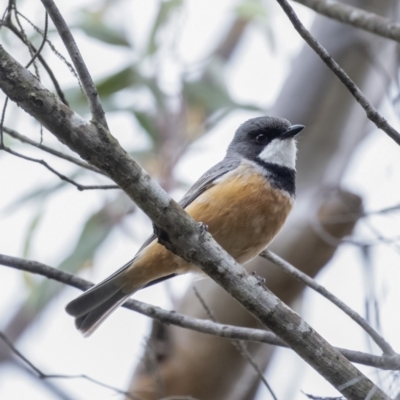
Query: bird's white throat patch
[[280, 152]]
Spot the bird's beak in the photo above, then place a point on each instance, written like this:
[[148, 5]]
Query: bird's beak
[[292, 131]]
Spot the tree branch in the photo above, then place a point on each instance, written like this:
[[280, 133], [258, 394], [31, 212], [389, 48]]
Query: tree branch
[[178, 231], [31, 47], [310, 282], [92, 95], [41, 375], [49, 150], [203, 326], [356, 17], [39, 50], [370, 110], [55, 172]]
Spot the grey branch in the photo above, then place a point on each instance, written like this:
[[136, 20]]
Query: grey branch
[[96, 108], [371, 111], [49, 150], [39, 50], [356, 17], [40, 374], [181, 234], [310, 282], [55, 172], [203, 326]]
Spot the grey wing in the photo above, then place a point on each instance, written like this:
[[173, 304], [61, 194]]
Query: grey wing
[[203, 183]]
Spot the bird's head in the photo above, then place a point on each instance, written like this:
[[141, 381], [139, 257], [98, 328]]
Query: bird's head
[[268, 139]]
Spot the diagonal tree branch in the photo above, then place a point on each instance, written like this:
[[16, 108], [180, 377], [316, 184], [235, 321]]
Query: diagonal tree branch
[[92, 95], [55, 172], [356, 17], [371, 111], [203, 326], [49, 150], [39, 50], [179, 232], [310, 282]]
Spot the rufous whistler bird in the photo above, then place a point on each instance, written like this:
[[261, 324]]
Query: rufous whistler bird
[[244, 200]]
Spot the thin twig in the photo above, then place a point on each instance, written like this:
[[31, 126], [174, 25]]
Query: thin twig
[[46, 24], [370, 110], [183, 321], [49, 150], [302, 277], [53, 48], [31, 47], [25, 37], [61, 176], [356, 17], [42, 375], [92, 95], [238, 345], [3, 116]]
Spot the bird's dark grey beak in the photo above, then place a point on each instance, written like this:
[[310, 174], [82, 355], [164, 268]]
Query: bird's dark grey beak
[[292, 131]]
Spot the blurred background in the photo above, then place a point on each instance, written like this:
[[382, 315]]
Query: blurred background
[[177, 77]]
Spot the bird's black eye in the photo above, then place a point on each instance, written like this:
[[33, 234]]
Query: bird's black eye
[[261, 138]]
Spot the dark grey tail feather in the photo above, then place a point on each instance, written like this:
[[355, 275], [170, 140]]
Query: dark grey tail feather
[[89, 322], [91, 308], [92, 298]]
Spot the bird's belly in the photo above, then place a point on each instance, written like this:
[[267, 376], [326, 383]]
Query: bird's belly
[[243, 213]]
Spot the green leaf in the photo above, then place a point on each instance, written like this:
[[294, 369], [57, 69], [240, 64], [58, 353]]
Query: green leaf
[[95, 231], [95, 25], [252, 9], [122, 79], [147, 122], [126, 77], [165, 12]]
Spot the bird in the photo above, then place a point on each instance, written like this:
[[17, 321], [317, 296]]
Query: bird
[[243, 200]]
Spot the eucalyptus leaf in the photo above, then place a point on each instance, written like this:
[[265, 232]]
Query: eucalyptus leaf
[[95, 25], [166, 10], [147, 122], [95, 231]]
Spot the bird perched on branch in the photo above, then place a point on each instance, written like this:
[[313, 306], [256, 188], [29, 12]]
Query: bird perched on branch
[[244, 200]]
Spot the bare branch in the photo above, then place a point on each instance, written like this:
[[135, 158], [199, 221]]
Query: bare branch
[[310, 282], [203, 326], [47, 149], [179, 232], [46, 24], [42, 375], [53, 48], [356, 17], [96, 108], [371, 111], [31, 47], [24, 36], [55, 172]]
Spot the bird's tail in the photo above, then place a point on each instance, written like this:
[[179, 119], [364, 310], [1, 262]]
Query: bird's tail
[[92, 307]]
